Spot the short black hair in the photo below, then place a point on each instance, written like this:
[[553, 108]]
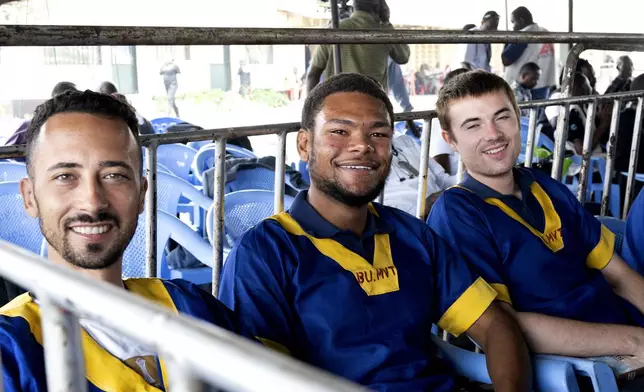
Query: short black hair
[[523, 13], [342, 83], [469, 26], [529, 68], [107, 88], [81, 102], [62, 87], [370, 6], [452, 74]]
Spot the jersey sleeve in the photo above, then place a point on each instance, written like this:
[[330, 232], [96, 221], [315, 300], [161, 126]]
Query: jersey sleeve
[[321, 57], [461, 296], [23, 366], [512, 52], [461, 225], [598, 242], [632, 247], [253, 284]]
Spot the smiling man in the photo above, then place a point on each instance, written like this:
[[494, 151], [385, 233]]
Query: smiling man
[[85, 186], [549, 259], [352, 286]]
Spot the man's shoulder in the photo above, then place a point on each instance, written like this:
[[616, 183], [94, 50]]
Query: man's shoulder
[[20, 319]]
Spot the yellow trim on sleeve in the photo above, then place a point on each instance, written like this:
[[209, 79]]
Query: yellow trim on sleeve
[[603, 252], [468, 308], [273, 345], [502, 290]]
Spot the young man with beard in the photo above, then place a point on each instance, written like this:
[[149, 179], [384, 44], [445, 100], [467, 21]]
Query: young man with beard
[[550, 260], [86, 188], [352, 286]]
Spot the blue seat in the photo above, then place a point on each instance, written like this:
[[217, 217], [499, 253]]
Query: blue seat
[[618, 227], [172, 191], [168, 227], [17, 226], [12, 171], [243, 210], [550, 374], [205, 158], [256, 178], [161, 124], [303, 168], [177, 158], [197, 145]]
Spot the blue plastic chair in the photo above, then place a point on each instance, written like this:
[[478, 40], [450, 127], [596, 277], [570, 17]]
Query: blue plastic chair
[[171, 192], [12, 171], [197, 145], [176, 158], [243, 210], [550, 374], [168, 227], [161, 124], [303, 168], [618, 227], [205, 158], [16, 226], [256, 178]]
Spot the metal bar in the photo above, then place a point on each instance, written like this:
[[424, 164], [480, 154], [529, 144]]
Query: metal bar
[[610, 156], [215, 355], [589, 132], [571, 16], [632, 164], [64, 361], [460, 174], [561, 132], [182, 379], [381, 197], [421, 202], [41, 35], [218, 213], [335, 23], [151, 211], [529, 147], [280, 163]]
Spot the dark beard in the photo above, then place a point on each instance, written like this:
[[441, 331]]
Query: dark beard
[[338, 192], [94, 257]]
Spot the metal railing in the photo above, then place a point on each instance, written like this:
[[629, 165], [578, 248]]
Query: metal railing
[[195, 350]]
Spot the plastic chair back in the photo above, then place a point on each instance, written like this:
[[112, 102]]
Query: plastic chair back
[[161, 124], [168, 226], [255, 178], [17, 227], [177, 158], [243, 210], [12, 171], [205, 158], [618, 227], [170, 188]]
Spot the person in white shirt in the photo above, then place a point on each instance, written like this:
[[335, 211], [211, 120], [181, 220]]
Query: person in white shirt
[[401, 189]]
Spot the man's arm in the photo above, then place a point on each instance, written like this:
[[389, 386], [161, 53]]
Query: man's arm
[[313, 78], [317, 67], [512, 52], [626, 282], [470, 56], [553, 335], [508, 361]]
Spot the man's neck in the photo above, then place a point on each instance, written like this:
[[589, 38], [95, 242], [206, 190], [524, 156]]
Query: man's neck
[[111, 274], [338, 214], [504, 184]]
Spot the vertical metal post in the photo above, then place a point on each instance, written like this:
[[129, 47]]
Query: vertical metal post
[[610, 156], [571, 16], [561, 133], [182, 379], [64, 361], [280, 163], [151, 211], [421, 202], [588, 147], [381, 197], [460, 174], [218, 212], [632, 164], [335, 21], [529, 147]]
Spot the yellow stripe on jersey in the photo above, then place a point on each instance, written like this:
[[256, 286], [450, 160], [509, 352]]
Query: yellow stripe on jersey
[[468, 308], [379, 278], [502, 290], [601, 255], [551, 237]]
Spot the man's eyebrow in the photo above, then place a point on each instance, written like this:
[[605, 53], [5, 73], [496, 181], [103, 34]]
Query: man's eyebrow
[[472, 119], [64, 165], [505, 109], [122, 164], [469, 120], [375, 124], [339, 121]]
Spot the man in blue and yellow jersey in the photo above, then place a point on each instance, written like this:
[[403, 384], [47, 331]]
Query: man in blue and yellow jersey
[[549, 259], [354, 287], [86, 188], [633, 245]]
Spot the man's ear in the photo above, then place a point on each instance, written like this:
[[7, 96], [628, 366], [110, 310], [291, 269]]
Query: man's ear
[[304, 145], [449, 139], [144, 190], [29, 197]]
